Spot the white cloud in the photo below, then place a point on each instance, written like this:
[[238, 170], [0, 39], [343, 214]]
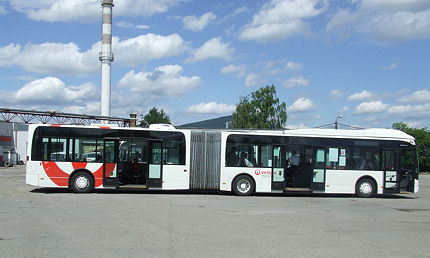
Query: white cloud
[[364, 95], [383, 21], [143, 48], [293, 66], [301, 105], [235, 13], [129, 25], [164, 82], [213, 48], [410, 111], [344, 109], [87, 10], [239, 70], [391, 67], [124, 24], [68, 59], [295, 81], [280, 19], [48, 58], [52, 93], [92, 107], [337, 94], [417, 96], [141, 26], [370, 107], [195, 23], [211, 108], [252, 79]]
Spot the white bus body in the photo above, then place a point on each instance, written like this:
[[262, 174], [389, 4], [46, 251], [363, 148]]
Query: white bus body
[[330, 161]]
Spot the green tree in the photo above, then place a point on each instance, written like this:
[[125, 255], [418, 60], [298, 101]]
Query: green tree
[[422, 138], [260, 109], [156, 116]]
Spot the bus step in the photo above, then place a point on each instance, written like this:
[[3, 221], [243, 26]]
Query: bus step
[[133, 187], [297, 189]]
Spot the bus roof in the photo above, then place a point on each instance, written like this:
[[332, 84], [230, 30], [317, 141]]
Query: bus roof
[[371, 133], [378, 133]]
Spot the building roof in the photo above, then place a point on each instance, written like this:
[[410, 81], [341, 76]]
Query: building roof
[[216, 123]]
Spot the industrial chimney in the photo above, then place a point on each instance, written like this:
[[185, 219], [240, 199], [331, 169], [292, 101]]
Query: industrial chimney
[[106, 57]]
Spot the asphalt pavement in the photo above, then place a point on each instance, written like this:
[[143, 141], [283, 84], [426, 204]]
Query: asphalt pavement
[[45, 222]]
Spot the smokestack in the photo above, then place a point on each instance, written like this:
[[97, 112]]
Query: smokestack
[[106, 57]]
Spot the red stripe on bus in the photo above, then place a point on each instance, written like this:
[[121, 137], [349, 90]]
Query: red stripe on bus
[[104, 127], [98, 176], [55, 125], [5, 139], [56, 174], [109, 168], [77, 165]]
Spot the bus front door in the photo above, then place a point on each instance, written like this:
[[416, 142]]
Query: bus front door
[[391, 171], [110, 160], [155, 169], [318, 180]]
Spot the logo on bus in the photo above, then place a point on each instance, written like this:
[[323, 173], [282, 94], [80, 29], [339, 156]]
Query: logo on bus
[[262, 172]]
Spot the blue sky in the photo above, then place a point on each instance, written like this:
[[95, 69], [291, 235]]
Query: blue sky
[[368, 60]]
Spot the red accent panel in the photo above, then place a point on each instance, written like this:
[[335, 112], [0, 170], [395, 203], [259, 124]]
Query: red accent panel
[[58, 176], [77, 165], [105, 127], [98, 175], [55, 125], [109, 168], [5, 139]]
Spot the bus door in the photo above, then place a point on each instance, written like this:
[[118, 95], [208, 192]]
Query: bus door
[[110, 160], [408, 169], [278, 168], [318, 180], [390, 162], [155, 170]]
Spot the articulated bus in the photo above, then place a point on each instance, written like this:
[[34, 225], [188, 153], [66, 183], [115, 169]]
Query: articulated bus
[[361, 162]]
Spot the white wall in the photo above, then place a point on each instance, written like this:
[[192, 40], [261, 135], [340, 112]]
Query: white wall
[[20, 138]]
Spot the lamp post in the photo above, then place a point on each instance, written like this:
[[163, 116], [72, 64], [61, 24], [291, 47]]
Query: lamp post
[[335, 123]]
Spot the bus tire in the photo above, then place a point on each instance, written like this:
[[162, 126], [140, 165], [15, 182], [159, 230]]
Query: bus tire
[[82, 182], [243, 185], [365, 188]]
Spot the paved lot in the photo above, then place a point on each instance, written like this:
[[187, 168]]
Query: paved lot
[[58, 223]]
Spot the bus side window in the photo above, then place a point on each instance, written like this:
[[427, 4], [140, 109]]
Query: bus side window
[[53, 149], [366, 158]]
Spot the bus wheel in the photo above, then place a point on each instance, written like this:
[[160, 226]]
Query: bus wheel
[[82, 182], [243, 185], [365, 188]]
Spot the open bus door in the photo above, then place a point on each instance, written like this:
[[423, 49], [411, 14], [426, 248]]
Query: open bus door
[[110, 161], [390, 162], [409, 170]]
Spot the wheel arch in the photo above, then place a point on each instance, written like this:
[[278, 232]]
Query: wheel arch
[[243, 174], [359, 190], [80, 170], [367, 177]]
